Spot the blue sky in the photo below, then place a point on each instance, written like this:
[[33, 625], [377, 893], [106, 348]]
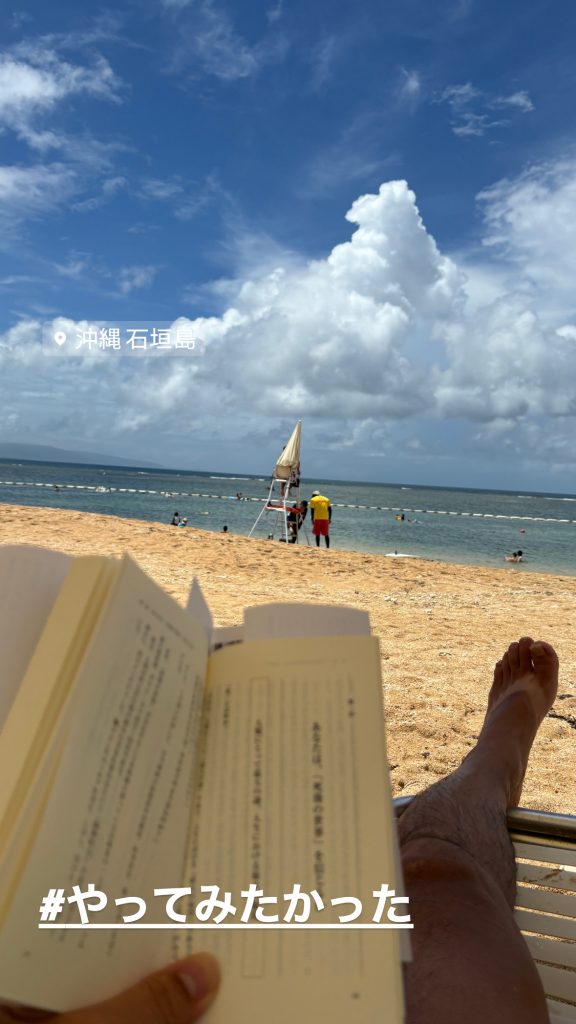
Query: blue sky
[[367, 213]]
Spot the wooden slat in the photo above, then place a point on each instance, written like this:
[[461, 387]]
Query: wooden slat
[[552, 951], [548, 854], [542, 874], [545, 924], [560, 1013], [558, 983], [547, 902]]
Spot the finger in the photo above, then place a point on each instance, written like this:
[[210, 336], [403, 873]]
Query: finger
[[177, 995]]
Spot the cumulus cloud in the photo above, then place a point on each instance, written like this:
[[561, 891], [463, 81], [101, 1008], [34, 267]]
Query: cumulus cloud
[[376, 344], [330, 335], [532, 221], [507, 365]]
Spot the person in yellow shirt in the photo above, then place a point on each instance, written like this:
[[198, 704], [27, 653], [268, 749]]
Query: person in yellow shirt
[[321, 513]]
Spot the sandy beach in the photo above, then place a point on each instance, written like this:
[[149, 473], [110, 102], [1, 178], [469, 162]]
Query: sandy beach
[[441, 627]]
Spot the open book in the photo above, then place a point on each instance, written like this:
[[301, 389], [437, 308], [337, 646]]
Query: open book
[[142, 750]]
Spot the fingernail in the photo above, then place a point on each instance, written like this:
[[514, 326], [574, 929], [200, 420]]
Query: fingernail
[[200, 975]]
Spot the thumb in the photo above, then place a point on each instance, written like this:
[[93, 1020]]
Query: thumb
[[179, 994]]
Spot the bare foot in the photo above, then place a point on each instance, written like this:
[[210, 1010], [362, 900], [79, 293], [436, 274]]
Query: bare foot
[[524, 689]]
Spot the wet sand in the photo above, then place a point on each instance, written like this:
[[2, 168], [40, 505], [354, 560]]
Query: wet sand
[[441, 627]]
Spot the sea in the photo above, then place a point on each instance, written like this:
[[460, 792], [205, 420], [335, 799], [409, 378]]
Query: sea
[[466, 526]]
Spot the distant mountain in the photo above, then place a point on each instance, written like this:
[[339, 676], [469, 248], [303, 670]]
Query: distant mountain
[[46, 453]]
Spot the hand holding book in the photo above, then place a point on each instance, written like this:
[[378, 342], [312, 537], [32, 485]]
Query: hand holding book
[[177, 995], [141, 750]]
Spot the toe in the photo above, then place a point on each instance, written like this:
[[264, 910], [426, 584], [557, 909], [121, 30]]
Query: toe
[[496, 688], [506, 669], [544, 657], [524, 645], [514, 658]]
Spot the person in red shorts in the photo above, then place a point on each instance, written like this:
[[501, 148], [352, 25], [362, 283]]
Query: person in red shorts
[[321, 513]]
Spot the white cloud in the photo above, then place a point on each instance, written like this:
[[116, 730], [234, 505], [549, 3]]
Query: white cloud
[[108, 189], [531, 221], [34, 82], [473, 110], [210, 44], [460, 95], [330, 335], [356, 157], [410, 89], [211, 41], [33, 190], [519, 99], [17, 279], [324, 56], [376, 344], [34, 86], [188, 200], [275, 13], [142, 228], [74, 268], [132, 278]]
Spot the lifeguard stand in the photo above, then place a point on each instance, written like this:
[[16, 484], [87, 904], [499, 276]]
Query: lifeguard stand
[[284, 494]]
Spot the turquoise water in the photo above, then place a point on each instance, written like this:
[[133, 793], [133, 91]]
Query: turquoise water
[[449, 525]]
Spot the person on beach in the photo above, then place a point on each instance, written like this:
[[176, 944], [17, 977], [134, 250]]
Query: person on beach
[[183, 521], [175, 519], [321, 515], [459, 866], [516, 556], [470, 961], [295, 518]]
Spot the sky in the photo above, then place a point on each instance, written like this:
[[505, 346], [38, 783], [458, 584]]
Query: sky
[[363, 215]]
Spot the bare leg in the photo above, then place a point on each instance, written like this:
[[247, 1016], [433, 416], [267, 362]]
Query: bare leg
[[471, 963]]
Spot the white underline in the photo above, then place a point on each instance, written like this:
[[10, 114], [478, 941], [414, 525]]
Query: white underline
[[220, 927]]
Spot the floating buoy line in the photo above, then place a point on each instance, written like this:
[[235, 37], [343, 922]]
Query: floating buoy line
[[94, 489]]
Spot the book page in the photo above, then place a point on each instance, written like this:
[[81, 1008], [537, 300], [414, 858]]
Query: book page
[[30, 579], [282, 620], [197, 607], [295, 791], [223, 635], [41, 698], [118, 813]]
